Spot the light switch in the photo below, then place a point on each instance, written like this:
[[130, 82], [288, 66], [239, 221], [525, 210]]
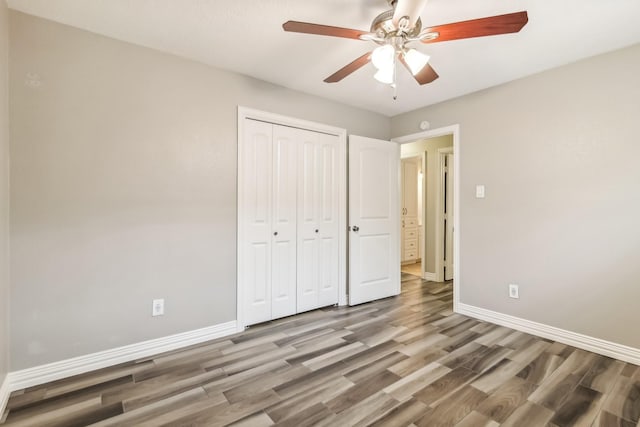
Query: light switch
[[479, 191]]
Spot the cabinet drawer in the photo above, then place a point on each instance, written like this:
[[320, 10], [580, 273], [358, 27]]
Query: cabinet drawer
[[411, 245], [410, 233], [410, 255], [410, 222]]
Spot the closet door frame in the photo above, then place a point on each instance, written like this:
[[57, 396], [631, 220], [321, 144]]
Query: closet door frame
[[277, 119]]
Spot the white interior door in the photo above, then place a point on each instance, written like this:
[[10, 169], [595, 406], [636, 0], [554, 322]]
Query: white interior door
[[448, 217], [374, 206]]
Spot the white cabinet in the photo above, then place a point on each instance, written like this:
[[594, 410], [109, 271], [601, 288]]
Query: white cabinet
[[289, 220], [409, 209]]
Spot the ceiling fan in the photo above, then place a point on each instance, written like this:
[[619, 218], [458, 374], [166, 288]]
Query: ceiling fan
[[395, 29]]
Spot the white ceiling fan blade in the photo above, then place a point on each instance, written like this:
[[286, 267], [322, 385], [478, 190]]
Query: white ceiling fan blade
[[410, 8]]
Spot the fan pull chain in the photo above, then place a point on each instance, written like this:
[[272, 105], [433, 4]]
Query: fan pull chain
[[394, 84]]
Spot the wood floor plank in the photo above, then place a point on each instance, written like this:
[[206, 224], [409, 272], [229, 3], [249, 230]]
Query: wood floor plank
[[308, 417], [603, 374], [529, 414], [225, 413], [414, 363], [362, 390], [624, 400], [312, 380], [363, 372], [487, 358], [366, 411], [607, 419], [230, 381], [402, 361], [580, 408], [264, 383], [452, 410], [541, 368], [334, 356], [170, 417], [30, 408], [511, 395], [530, 352], [323, 393], [58, 417], [155, 409], [476, 419], [402, 415], [445, 385], [404, 388], [498, 374], [553, 393], [257, 419]]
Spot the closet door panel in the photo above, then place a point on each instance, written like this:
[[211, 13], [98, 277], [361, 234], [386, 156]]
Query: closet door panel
[[328, 262], [308, 187], [308, 276], [257, 213], [284, 168], [328, 268]]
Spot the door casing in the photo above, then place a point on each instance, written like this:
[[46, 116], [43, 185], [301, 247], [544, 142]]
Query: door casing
[[453, 130], [249, 113]]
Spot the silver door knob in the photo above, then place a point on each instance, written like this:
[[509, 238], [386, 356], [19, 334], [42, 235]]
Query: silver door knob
[[355, 228]]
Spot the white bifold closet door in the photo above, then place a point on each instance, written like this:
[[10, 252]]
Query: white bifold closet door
[[318, 220], [269, 193], [290, 188]]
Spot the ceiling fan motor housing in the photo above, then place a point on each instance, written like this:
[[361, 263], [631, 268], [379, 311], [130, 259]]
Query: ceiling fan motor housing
[[384, 27]]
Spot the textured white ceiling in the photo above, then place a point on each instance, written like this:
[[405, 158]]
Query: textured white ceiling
[[246, 36]]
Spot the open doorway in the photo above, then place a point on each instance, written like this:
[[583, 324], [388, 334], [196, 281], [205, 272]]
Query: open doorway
[[411, 212], [427, 176]]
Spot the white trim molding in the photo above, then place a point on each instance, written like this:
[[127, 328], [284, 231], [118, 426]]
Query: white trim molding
[[5, 392], [585, 342], [455, 131], [42, 374], [426, 275], [439, 234]]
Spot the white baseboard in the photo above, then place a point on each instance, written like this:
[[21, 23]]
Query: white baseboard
[[585, 342], [4, 395], [30, 377], [429, 276]]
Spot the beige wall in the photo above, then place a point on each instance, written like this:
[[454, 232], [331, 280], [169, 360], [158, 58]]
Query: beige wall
[[4, 192], [124, 188], [430, 147], [558, 153]]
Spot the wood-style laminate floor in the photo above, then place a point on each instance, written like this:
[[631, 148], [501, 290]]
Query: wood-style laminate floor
[[407, 360], [414, 269]]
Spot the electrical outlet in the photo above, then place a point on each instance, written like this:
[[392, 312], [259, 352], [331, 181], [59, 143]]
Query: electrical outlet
[[513, 291], [158, 307]]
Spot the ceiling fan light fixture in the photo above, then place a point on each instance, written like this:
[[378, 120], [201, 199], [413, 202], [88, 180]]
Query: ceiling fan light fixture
[[383, 57], [416, 60], [385, 75]]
